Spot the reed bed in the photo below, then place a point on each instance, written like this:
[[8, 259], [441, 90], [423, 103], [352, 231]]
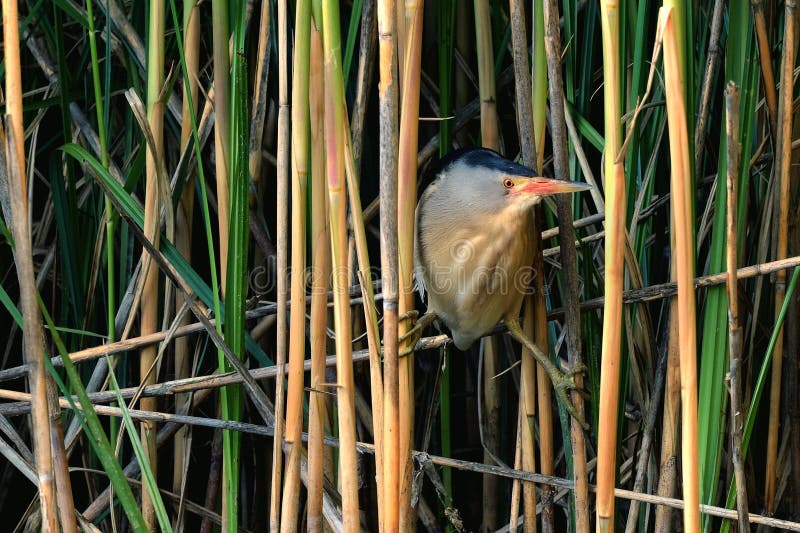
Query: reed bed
[[206, 331]]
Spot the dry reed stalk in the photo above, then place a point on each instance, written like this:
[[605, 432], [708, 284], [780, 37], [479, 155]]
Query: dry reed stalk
[[366, 69], [337, 197], [547, 456], [388, 103], [260, 90], [370, 312], [281, 242], [406, 204], [527, 413], [539, 90], [66, 503], [490, 138], [765, 58], [569, 257], [13, 92], [320, 263], [490, 128], [532, 325], [712, 59], [513, 520], [183, 227], [614, 270], [783, 163], [222, 125], [684, 252], [13, 172], [297, 313], [152, 211], [734, 326]]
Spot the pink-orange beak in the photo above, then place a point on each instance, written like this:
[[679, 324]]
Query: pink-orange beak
[[546, 186]]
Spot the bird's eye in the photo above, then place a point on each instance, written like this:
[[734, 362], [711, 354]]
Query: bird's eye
[[508, 183]]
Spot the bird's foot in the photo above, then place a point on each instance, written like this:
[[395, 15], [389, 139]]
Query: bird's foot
[[411, 337], [563, 382]]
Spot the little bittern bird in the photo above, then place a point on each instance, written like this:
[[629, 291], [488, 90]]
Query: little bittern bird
[[473, 249]]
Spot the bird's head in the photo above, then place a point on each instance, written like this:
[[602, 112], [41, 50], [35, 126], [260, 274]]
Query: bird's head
[[483, 180]]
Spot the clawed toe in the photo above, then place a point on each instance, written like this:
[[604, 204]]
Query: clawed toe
[[563, 383]]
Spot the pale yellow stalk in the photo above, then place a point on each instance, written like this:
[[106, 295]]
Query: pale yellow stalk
[[684, 260]]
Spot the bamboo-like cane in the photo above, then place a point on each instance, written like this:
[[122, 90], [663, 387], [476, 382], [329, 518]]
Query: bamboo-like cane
[[297, 326], [783, 164], [388, 102], [735, 328], [337, 196], [152, 210], [406, 204], [490, 138], [566, 237], [684, 251], [281, 210], [614, 259], [320, 263], [183, 227]]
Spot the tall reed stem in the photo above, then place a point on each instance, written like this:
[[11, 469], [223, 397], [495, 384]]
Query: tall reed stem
[[297, 326], [684, 251], [320, 263], [150, 297], [337, 196], [406, 204], [388, 102], [734, 325], [783, 165], [614, 265], [282, 197], [569, 259]]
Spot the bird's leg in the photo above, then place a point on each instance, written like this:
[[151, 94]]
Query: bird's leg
[[412, 336], [562, 382]]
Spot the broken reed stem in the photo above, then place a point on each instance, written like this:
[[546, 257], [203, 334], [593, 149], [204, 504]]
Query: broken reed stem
[[614, 270], [684, 254], [152, 211], [566, 238], [783, 165], [282, 198], [297, 313], [735, 328]]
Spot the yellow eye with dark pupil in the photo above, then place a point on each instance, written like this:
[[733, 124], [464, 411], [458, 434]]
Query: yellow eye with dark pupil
[[508, 183]]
